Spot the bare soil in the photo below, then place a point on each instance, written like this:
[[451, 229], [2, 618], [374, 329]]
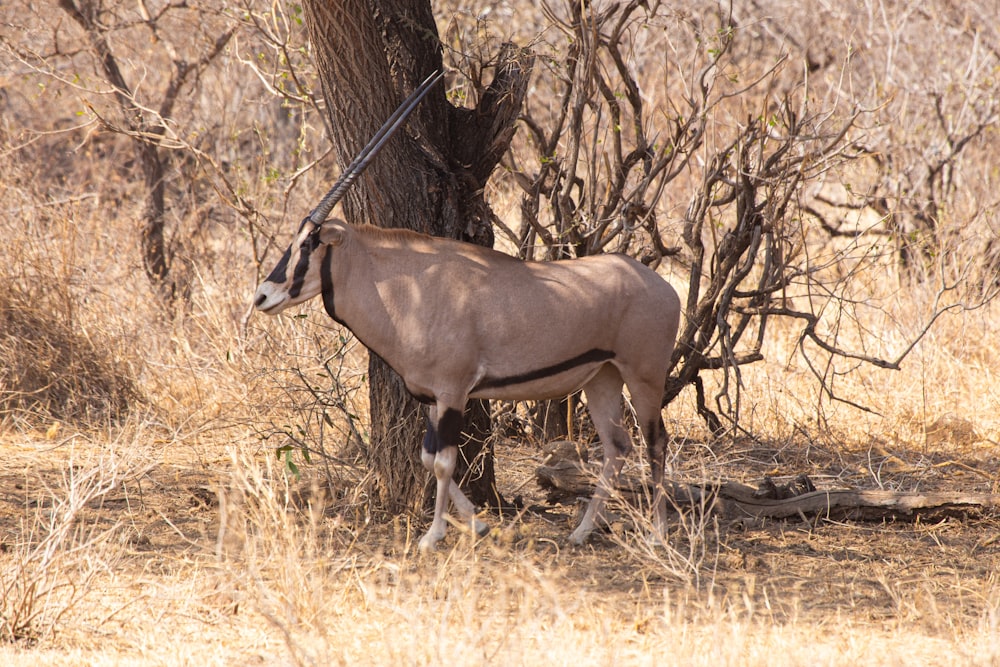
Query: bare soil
[[935, 579]]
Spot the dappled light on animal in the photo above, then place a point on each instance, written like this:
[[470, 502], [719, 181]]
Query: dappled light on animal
[[458, 321]]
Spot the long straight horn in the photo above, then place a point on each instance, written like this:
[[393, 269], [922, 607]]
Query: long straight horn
[[360, 163]]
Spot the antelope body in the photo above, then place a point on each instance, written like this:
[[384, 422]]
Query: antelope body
[[459, 321]]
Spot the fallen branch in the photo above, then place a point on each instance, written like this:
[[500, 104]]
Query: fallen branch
[[567, 479], [739, 501]]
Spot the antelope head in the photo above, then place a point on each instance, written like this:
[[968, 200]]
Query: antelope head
[[296, 276]]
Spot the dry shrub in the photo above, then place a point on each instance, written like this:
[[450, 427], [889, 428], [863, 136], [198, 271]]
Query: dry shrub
[[52, 566], [52, 367], [49, 369]]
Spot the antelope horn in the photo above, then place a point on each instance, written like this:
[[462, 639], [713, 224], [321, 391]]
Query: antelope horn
[[360, 163]]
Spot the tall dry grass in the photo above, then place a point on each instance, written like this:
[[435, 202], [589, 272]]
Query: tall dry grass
[[146, 520]]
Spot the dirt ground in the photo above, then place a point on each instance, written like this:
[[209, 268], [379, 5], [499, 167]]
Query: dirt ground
[[938, 579]]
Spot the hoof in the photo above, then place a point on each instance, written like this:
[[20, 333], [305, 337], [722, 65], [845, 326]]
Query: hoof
[[428, 543]]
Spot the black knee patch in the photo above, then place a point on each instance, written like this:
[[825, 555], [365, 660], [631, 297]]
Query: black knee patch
[[655, 444], [652, 432], [622, 446], [450, 428], [446, 433], [431, 439]]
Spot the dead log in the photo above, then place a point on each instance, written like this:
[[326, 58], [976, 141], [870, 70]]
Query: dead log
[[566, 480], [739, 501]]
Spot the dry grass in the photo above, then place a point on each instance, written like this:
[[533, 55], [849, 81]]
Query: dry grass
[[240, 564], [166, 532], [51, 371], [53, 366]]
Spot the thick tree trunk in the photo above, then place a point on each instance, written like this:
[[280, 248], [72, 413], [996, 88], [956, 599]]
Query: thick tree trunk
[[370, 55]]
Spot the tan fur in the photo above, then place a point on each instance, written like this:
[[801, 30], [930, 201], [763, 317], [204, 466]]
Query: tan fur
[[459, 321]]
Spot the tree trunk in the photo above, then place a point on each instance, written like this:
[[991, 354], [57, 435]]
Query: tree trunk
[[156, 257], [430, 179], [552, 418]]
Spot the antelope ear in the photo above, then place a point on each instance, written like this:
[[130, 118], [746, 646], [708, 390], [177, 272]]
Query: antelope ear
[[332, 232]]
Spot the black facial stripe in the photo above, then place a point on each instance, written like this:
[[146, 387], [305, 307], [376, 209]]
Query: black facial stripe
[[591, 357], [326, 280], [301, 267], [280, 271]]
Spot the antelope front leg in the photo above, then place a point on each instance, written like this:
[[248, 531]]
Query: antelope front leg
[[442, 464], [466, 510], [440, 451]]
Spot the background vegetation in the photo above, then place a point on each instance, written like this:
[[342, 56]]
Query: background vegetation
[[145, 517]]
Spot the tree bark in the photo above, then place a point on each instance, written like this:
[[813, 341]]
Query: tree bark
[[430, 179]]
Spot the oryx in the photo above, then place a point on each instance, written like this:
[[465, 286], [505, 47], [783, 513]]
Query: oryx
[[459, 321]]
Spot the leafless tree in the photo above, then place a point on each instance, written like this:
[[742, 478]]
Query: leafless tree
[[145, 121], [739, 137]]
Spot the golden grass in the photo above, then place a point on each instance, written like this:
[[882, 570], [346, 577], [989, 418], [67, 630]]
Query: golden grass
[[173, 535], [261, 579], [222, 558]]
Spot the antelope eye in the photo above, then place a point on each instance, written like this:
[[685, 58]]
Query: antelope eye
[[313, 238]]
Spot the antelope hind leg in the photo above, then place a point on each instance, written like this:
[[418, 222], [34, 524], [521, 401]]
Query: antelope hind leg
[[647, 408], [604, 396], [466, 510], [595, 508]]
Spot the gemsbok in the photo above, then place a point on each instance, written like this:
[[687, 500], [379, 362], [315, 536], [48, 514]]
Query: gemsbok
[[458, 321]]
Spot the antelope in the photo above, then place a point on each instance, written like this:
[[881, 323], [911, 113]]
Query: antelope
[[459, 321]]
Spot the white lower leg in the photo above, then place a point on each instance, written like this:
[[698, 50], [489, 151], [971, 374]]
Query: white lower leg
[[659, 534], [595, 508], [604, 396], [466, 510], [589, 522], [656, 436], [443, 466]]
